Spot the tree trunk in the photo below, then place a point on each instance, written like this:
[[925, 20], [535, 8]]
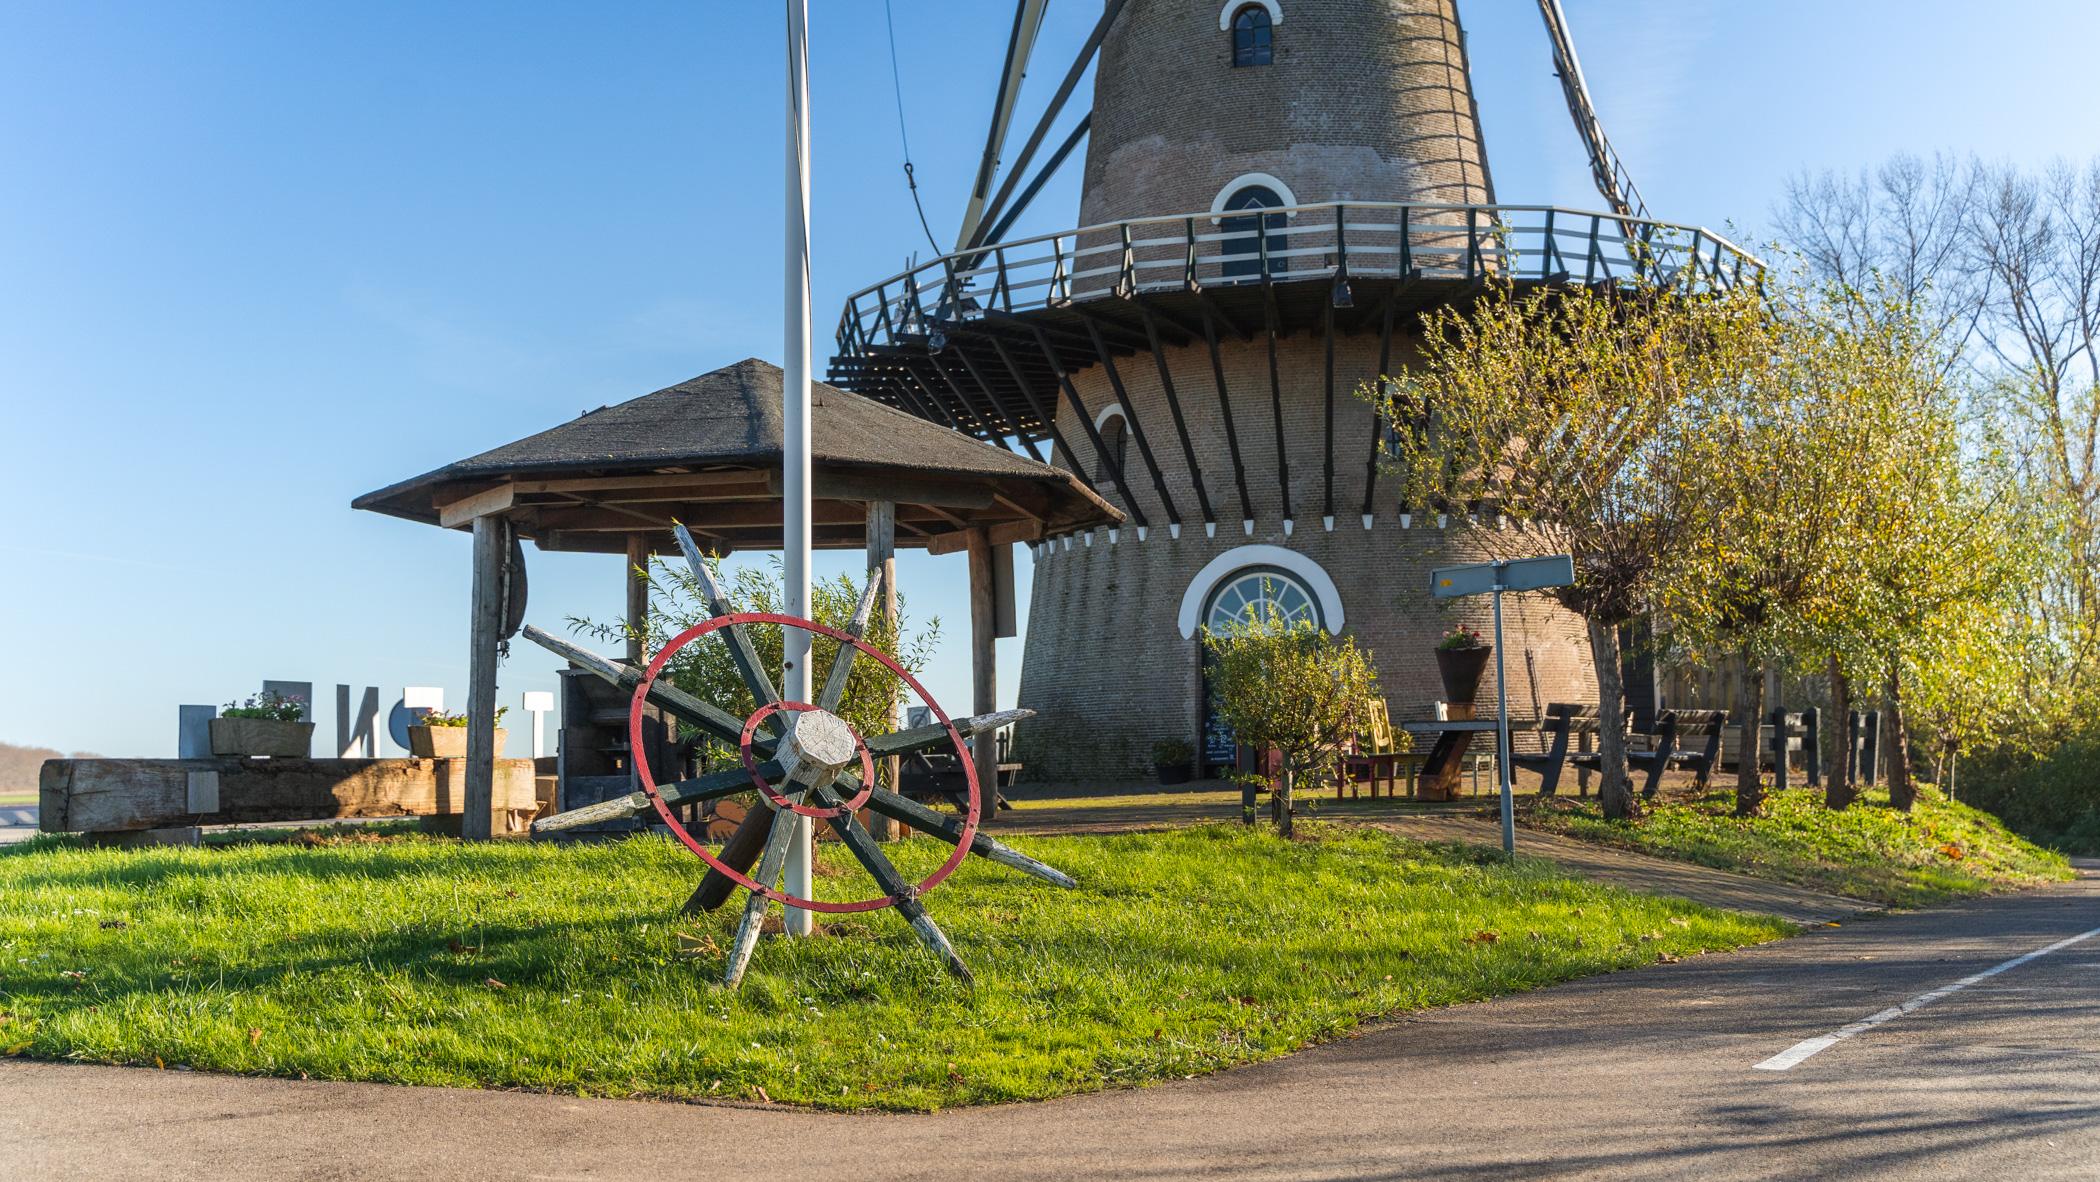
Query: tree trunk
[[1749, 764], [1839, 789], [1283, 795], [1615, 789], [1896, 741]]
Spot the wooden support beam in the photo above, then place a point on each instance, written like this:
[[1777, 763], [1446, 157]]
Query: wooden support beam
[[1005, 412], [988, 428], [1004, 534], [465, 510], [1086, 423], [984, 670], [1283, 451], [636, 589], [491, 542], [1232, 435], [1385, 360], [834, 485], [882, 565], [1327, 469], [1047, 416], [1137, 429]]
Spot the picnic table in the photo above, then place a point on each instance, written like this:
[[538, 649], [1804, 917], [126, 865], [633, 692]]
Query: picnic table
[[1446, 760]]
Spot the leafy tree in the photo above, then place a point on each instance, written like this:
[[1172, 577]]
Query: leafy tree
[[1292, 687], [705, 670], [1573, 415]]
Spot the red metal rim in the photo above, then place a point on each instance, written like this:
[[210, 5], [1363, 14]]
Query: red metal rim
[[635, 741], [780, 801]]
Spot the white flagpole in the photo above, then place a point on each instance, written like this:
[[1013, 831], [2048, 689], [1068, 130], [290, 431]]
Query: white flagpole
[[794, 415]]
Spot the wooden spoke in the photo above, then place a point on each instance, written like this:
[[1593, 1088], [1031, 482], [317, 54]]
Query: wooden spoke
[[842, 664], [893, 884], [740, 650], [948, 829], [769, 868]]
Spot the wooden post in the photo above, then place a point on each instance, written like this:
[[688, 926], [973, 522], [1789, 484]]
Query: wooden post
[[882, 564], [637, 590], [984, 670], [478, 812]]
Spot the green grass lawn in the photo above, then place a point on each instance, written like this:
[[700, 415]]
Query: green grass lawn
[[11, 799], [1942, 850], [417, 959]]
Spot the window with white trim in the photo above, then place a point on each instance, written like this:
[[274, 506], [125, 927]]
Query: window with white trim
[[1251, 596], [1253, 36]]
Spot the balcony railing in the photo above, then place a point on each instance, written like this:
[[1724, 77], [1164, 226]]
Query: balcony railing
[[1293, 244]]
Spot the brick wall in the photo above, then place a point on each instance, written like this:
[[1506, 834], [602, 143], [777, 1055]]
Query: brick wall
[[1366, 100], [1105, 662]]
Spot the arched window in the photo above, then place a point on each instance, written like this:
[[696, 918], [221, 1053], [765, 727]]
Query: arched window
[[1252, 34], [1115, 443], [1250, 596], [1244, 237]]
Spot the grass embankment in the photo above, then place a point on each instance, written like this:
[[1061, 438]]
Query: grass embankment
[[1941, 850], [424, 960]]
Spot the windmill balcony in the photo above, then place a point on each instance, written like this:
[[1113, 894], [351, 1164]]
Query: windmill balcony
[[981, 340]]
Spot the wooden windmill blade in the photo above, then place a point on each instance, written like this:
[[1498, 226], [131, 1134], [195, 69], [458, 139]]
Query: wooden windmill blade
[[1605, 166]]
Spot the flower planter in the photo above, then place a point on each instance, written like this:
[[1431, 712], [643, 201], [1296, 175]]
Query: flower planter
[[444, 742], [262, 736], [1174, 773], [1461, 669]]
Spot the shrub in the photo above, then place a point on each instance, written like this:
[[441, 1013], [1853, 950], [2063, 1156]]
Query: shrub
[[268, 704]]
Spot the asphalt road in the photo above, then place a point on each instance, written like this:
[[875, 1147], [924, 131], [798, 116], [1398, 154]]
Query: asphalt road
[[1646, 1074]]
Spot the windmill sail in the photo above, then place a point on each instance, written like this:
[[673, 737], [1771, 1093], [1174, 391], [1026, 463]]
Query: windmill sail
[[1605, 165]]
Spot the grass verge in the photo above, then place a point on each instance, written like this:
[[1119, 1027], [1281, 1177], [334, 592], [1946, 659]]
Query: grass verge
[[424, 960], [1941, 850]]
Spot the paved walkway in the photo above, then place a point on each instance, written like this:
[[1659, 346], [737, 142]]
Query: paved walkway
[[1651, 1073], [17, 823], [1467, 821]]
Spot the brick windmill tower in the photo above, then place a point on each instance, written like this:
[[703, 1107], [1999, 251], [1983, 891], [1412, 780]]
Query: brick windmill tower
[[1275, 191]]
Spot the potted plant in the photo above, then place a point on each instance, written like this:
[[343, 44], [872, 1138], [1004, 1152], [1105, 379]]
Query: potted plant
[[438, 735], [1461, 657], [266, 724], [1174, 761]]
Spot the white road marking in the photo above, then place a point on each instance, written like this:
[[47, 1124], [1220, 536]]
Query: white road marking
[[1800, 1051]]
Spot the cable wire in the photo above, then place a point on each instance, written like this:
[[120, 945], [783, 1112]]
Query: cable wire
[[903, 137]]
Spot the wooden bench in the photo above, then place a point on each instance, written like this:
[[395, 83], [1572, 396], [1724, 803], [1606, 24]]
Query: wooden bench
[[1713, 724], [1563, 721]]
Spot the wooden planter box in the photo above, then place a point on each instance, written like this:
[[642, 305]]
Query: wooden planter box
[[262, 736], [445, 742]]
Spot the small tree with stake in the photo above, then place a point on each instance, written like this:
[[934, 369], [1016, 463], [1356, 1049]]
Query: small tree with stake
[[1291, 687]]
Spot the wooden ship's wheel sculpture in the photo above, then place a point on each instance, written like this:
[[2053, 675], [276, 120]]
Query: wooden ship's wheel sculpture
[[804, 760]]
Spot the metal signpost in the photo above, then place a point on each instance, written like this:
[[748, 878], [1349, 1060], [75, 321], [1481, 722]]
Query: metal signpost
[[1493, 578], [794, 416]]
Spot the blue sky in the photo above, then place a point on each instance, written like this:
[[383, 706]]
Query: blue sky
[[256, 259]]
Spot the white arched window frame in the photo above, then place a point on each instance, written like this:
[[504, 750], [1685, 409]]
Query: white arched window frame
[[1250, 180], [1119, 444], [1232, 9], [1196, 599]]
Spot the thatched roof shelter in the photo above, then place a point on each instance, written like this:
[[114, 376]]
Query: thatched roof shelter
[[707, 452]]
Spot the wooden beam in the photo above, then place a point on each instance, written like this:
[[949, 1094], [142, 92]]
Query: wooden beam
[[1283, 451], [882, 564], [1181, 427], [1048, 417], [1086, 423], [1385, 359], [1327, 466], [636, 589], [467, 509], [1003, 534], [1130, 418], [860, 487], [491, 542], [1232, 436], [984, 670]]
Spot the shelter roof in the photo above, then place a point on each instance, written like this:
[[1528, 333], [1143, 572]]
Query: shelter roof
[[708, 452]]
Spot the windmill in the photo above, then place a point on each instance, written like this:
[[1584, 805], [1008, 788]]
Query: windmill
[[1275, 192]]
